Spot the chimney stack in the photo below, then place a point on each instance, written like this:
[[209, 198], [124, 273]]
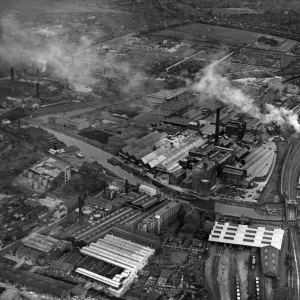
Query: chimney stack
[[217, 132], [37, 89], [80, 202], [12, 78]]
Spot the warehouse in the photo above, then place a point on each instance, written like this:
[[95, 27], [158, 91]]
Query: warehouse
[[137, 236], [170, 164], [41, 242], [244, 235], [117, 254], [258, 164], [269, 259]]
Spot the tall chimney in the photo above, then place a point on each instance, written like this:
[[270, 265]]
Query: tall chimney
[[80, 210], [217, 132], [37, 89], [12, 78]]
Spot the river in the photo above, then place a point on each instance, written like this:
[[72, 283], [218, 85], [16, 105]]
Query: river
[[101, 156], [96, 154]]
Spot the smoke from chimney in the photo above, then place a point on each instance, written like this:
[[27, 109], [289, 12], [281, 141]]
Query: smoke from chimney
[[214, 86], [217, 132]]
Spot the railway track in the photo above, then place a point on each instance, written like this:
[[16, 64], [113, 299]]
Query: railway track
[[290, 278]]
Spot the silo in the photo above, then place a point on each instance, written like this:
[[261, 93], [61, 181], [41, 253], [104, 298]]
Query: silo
[[97, 217], [40, 179], [44, 182], [35, 185], [30, 182], [29, 175]]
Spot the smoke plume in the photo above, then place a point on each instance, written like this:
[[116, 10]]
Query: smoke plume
[[62, 55], [212, 87]]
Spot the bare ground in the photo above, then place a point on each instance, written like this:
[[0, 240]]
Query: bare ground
[[223, 274], [242, 267]]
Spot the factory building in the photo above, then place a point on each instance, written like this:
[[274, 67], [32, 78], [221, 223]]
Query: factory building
[[75, 125], [157, 222], [104, 204], [42, 243], [117, 262], [147, 190], [143, 202], [235, 128], [176, 177], [269, 256], [258, 164], [137, 236], [204, 177], [233, 175]]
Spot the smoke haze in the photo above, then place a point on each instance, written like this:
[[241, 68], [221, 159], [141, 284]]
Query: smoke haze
[[53, 53], [215, 87]]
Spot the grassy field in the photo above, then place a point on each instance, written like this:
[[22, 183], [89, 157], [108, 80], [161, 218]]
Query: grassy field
[[43, 6], [197, 31]]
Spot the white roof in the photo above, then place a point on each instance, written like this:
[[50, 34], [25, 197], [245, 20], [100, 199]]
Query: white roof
[[112, 282], [118, 252], [252, 236]]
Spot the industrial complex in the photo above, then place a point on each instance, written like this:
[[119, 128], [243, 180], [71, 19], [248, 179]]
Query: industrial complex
[[149, 150]]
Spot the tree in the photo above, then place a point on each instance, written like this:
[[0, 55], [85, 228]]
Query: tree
[[208, 226]]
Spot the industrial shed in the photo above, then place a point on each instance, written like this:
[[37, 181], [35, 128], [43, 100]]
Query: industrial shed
[[269, 260], [119, 261], [244, 235], [258, 163]]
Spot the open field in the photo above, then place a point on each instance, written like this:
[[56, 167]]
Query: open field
[[197, 32], [44, 6]]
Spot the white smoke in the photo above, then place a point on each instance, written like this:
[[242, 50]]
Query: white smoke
[[213, 86]]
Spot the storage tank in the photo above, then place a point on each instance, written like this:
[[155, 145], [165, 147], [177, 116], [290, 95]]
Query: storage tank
[[35, 185], [40, 180], [44, 182], [77, 210], [97, 217], [29, 174], [86, 213], [30, 182]]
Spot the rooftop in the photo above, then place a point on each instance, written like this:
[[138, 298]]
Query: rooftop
[[252, 236], [269, 260], [166, 208], [50, 167]]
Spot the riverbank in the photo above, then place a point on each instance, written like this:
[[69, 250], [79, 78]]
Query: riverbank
[[210, 204]]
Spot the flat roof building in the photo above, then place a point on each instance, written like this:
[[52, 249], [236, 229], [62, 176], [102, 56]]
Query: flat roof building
[[244, 235]]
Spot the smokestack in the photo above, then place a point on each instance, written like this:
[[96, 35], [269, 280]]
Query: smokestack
[[217, 132], [12, 78], [80, 210], [37, 89]]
